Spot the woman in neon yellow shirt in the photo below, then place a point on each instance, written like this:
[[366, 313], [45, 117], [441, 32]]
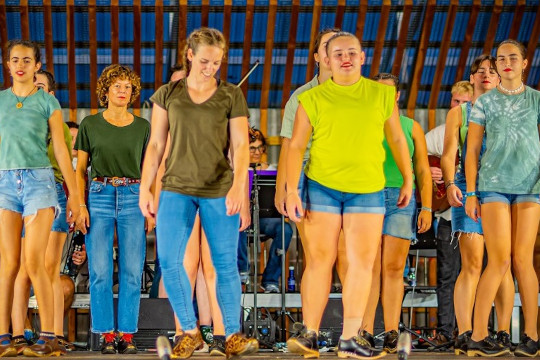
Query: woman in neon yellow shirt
[[348, 117]]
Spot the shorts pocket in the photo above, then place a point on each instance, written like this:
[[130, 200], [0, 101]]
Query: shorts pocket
[[41, 175]]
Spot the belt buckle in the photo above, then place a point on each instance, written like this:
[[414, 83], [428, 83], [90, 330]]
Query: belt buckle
[[116, 181]]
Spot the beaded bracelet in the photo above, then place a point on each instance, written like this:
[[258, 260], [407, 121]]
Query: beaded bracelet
[[450, 183], [425, 208], [469, 194]]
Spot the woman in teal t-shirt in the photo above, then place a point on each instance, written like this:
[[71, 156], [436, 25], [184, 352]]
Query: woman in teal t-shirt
[[508, 188]]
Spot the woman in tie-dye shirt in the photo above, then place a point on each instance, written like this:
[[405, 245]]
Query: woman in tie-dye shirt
[[508, 188]]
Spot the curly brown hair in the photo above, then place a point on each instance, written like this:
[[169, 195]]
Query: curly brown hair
[[117, 72]]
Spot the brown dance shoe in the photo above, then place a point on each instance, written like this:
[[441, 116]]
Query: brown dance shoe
[[45, 346], [20, 343], [65, 343], [238, 344], [6, 346], [185, 344]]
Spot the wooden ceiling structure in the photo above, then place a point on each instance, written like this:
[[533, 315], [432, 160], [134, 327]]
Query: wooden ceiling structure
[[429, 44]]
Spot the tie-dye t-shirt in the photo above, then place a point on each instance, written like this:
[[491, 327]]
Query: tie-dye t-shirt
[[511, 163]]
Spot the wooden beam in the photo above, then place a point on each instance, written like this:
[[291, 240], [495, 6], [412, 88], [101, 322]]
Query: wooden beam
[[493, 25], [4, 42], [267, 69], [94, 105], [441, 62], [516, 22], [115, 41], [315, 22], [403, 33], [25, 26], [47, 28], [137, 44], [182, 30], [361, 19], [204, 12], [420, 58], [379, 42], [340, 13], [227, 9], [72, 73], [531, 45], [291, 48], [158, 67], [246, 50], [466, 44]]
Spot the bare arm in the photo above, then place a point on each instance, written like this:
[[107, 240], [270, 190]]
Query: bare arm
[[423, 177], [297, 146], [281, 190], [448, 159], [82, 164], [240, 152], [400, 152], [474, 144]]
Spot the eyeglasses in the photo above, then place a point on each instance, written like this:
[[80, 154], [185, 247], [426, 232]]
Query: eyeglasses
[[260, 148]]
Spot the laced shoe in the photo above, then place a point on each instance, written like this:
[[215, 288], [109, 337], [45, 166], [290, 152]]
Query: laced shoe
[[358, 348], [20, 343], [390, 341], [526, 347], [185, 345], [460, 344], [66, 344], [369, 337], [487, 347], [217, 348], [503, 338], [306, 344], [44, 346], [108, 343], [126, 345], [207, 334], [6, 346], [238, 344]]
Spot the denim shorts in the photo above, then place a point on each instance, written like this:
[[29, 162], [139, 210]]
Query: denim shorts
[[60, 224], [26, 191], [509, 199], [400, 223], [461, 222], [323, 199]]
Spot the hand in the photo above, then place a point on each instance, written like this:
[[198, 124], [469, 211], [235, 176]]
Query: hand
[[149, 224], [83, 220], [79, 257], [424, 221], [405, 194], [294, 204], [72, 210], [234, 200], [436, 174], [472, 207], [454, 196], [280, 200], [245, 216], [146, 203]]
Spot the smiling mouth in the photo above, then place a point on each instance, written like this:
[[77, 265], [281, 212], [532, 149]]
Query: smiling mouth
[[19, 73], [486, 82], [507, 70]]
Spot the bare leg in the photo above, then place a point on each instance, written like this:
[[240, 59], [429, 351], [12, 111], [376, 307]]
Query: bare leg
[[504, 301], [19, 312], [341, 262], [53, 256], [374, 294]]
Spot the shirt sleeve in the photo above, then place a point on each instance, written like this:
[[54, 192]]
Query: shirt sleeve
[[239, 105], [389, 101], [308, 103], [160, 96], [82, 142], [53, 105], [288, 117], [478, 114]]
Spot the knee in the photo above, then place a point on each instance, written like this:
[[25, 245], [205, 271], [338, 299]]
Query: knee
[[521, 264], [472, 266], [320, 260], [51, 267], [68, 288], [393, 269], [10, 267]]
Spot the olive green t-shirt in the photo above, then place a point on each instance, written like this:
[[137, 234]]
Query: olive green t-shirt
[[113, 150], [50, 152], [197, 162]]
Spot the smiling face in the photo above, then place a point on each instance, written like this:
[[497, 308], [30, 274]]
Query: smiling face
[[120, 93], [205, 62], [22, 64], [485, 78], [345, 57], [510, 62]]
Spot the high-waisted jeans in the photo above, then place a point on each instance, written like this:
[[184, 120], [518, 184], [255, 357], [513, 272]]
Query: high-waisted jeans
[[111, 206], [175, 219]]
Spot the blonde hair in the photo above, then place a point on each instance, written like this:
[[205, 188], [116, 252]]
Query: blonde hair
[[117, 72], [203, 36], [462, 87]]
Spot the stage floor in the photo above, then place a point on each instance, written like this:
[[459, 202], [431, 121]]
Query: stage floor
[[87, 355]]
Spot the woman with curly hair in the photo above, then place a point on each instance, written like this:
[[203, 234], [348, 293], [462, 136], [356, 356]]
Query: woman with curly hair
[[113, 142]]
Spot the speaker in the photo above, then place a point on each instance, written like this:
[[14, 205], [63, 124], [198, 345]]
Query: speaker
[[156, 318]]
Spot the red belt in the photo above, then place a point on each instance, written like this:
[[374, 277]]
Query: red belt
[[117, 181]]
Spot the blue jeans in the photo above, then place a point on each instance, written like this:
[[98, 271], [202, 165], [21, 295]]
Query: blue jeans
[[271, 227], [110, 206], [175, 219]]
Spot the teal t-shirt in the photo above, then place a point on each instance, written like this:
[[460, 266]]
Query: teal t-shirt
[[511, 162], [393, 176], [113, 150], [24, 132]]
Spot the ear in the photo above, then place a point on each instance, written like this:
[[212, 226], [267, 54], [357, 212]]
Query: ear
[[190, 54], [525, 63], [317, 57], [398, 95], [326, 60], [38, 66], [471, 79], [362, 58]]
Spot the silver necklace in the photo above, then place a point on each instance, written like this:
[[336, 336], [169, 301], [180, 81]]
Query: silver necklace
[[512, 92]]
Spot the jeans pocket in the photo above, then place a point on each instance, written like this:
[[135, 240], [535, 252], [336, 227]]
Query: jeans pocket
[[134, 188], [96, 187]]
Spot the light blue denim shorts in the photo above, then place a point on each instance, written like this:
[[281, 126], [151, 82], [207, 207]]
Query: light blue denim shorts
[[323, 199], [26, 191], [60, 224], [509, 199], [461, 222], [400, 223]]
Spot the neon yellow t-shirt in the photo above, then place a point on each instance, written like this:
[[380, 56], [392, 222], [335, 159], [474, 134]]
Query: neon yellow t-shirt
[[348, 130]]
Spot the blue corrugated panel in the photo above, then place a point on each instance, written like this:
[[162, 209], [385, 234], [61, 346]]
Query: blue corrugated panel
[[35, 20], [372, 23], [304, 27], [349, 22], [104, 58], [387, 59], [460, 26], [81, 27], [148, 32], [488, 2], [234, 73], [215, 20], [392, 28], [253, 98], [503, 27], [374, 2], [193, 21], [103, 26], [59, 26], [527, 23], [328, 19], [482, 25], [62, 96], [125, 25], [281, 30], [14, 25], [260, 23], [238, 21], [439, 20]]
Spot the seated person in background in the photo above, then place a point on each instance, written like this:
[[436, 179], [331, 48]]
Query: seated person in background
[[271, 227]]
